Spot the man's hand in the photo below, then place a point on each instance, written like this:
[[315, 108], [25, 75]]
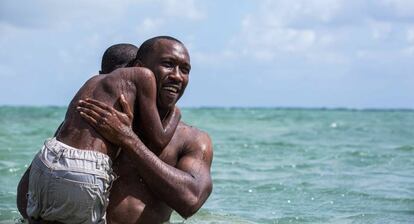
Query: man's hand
[[110, 123]]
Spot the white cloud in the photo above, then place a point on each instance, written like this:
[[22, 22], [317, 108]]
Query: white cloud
[[380, 29], [410, 35], [6, 71], [299, 11], [315, 29], [68, 14], [149, 26], [402, 8], [208, 59], [60, 14], [409, 50], [183, 9], [281, 27]]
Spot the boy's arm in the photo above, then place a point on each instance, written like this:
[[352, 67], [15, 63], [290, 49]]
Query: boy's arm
[[158, 133], [170, 123], [144, 107]]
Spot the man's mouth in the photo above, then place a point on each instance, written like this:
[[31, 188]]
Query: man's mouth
[[171, 88]]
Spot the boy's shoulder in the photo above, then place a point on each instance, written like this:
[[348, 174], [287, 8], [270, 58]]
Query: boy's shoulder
[[135, 72]]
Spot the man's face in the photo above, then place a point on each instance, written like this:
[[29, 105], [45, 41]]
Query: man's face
[[170, 63]]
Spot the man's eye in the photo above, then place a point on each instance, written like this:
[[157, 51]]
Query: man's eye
[[185, 70], [167, 64]]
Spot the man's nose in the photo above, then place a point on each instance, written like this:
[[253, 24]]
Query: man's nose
[[176, 74]]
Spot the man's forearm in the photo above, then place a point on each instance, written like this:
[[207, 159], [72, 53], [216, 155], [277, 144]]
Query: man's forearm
[[175, 187]]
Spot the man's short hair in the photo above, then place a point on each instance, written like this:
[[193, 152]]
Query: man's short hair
[[147, 46], [117, 56]]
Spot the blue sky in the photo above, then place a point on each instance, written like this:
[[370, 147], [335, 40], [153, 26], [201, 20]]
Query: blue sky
[[280, 53]]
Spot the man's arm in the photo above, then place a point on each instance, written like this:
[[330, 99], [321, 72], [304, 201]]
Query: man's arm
[[185, 187]]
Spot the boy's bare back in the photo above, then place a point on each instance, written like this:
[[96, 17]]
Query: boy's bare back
[[107, 88]]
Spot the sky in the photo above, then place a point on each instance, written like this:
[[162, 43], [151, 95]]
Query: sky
[[244, 53]]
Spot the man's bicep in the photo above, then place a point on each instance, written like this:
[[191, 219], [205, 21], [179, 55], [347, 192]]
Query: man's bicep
[[197, 160]]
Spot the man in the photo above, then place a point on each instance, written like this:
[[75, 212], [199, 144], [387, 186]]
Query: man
[[116, 56], [151, 185], [152, 182]]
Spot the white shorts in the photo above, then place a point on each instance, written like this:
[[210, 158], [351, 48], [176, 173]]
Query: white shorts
[[69, 185]]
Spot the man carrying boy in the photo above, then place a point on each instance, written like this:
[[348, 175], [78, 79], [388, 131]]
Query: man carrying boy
[[155, 180], [70, 177]]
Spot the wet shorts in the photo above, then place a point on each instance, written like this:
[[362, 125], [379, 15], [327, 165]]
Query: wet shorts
[[69, 185]]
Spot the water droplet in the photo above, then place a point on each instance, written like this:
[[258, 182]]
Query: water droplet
[[343, 195], [334, 125], [288, 201], [331, 202], [250, 190], [293, 166], [312, 198]]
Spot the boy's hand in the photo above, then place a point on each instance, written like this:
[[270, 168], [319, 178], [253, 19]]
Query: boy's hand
[[112, 124]]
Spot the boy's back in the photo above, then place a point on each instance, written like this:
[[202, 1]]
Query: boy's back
[[107, 88]]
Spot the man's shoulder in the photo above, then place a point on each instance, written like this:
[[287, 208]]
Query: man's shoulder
[[186, 129], [192, 136]]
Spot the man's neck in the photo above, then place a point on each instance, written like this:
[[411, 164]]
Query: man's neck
[[163, 113]]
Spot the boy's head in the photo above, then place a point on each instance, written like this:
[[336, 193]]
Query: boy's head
[[117, 56]]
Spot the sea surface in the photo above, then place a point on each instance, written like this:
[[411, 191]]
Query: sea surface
[[270, 165]]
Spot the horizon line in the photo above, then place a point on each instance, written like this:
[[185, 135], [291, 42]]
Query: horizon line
[[253, 107]]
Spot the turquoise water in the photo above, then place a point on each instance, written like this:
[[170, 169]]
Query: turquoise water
[[270, 165]]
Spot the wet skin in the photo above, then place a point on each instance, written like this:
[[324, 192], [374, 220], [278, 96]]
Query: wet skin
[[153, 182], [136, 198], [137, 87]]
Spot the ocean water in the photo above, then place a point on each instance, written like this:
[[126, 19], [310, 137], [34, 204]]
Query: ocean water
[[270, 165]]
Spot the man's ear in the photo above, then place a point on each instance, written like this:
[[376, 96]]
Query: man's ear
[[135, 63]]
